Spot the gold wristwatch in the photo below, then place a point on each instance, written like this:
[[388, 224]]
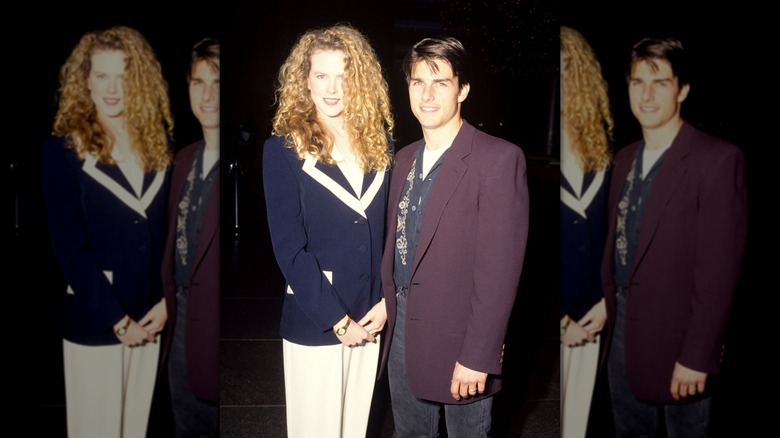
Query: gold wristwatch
[[565, 325], [120, 331], [341, 331]]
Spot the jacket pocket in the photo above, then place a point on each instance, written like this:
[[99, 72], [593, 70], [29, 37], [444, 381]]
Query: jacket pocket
[[327, 274], [109, 276]]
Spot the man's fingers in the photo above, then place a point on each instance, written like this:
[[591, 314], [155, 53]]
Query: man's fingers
[[675, 389]]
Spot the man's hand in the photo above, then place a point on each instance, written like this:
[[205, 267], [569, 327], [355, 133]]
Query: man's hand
[[466, 382], [575, 335], [154, 320], [594, 320], [356, 335], [375, 319], [686, 382]]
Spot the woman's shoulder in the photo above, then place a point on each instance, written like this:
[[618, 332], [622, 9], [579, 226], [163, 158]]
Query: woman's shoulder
[[58, 148], [275, 141], [277, 148], [54, 142]]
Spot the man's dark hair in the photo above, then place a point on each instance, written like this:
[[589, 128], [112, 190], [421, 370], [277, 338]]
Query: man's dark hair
[[431, 50], [206, 50], [668, 49]]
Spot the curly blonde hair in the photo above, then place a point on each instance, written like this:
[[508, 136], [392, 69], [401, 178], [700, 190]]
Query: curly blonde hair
[[585, 114], [147, 110], [367, 114]]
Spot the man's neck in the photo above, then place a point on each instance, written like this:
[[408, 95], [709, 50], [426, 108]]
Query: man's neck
[[663, 136], [211, 136], [443, 136]]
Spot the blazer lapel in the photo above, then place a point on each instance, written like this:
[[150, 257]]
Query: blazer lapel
[[114, 181], [335, 182], [400, 170], [670, 174], [183, 165], [450, 174], [210, 223], [591, 186]]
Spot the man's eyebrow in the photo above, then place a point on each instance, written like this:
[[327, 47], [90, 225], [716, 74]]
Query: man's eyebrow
[[435, 80], [636, 78]]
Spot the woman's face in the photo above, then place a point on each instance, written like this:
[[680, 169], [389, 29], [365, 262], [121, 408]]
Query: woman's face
[[325, 76], [105, 82]]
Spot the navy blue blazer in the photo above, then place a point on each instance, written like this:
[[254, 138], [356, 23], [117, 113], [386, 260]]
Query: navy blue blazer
[[583, 230], [326, 239], [108, 242]]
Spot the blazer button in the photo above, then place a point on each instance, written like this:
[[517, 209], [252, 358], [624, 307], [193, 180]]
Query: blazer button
[[364, 277], [362, 248]]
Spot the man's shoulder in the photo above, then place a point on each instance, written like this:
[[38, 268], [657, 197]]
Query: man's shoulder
[[407, 151], [709, 145], [189, 150], [483, 138], [493, 147], [627, 152]]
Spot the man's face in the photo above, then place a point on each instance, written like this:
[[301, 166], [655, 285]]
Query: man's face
[[435, 97], [655, 94], [204, 95]]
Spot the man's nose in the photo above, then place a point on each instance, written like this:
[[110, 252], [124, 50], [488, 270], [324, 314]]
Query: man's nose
[[211, 92], [427, 94]]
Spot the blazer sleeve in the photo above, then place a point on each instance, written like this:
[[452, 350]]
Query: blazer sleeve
[[69, 231], [720, 243], [313, 291], [501, 236]]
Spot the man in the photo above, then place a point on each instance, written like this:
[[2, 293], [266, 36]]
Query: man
[[458, 224], [191, 262], [677, 227]]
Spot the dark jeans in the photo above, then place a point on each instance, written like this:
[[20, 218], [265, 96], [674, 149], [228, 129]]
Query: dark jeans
[[414, 417], [192, 417], [638, 418]]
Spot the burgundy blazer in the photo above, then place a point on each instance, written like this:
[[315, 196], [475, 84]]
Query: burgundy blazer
[[687, 260], [467, 263], [202, 327]]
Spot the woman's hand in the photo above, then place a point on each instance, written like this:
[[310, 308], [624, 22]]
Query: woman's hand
[[375, 319], [575, 335], [593, 321], [356, 334], [133, 334], [154, 320]]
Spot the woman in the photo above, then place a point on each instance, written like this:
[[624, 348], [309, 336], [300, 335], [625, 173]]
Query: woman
[[324, 176], [105, 186], [586, 126]]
